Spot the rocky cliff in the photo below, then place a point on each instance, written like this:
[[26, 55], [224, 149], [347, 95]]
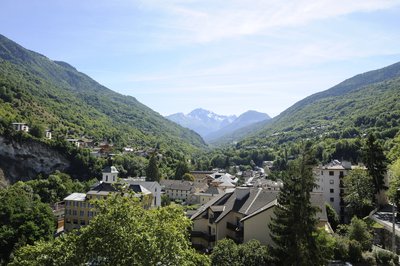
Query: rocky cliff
[[24, 160]]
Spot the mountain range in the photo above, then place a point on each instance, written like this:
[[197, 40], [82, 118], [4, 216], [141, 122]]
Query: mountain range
[[366, 103], [53, 94], [212, 126]]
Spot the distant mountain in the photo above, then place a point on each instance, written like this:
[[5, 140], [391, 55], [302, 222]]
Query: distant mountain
[[202, 121], [244, 120], [53, 94], [367, 102], [212, 126]]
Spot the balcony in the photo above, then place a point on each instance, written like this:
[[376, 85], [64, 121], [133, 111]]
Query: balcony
[[233, 227], [205, 236]]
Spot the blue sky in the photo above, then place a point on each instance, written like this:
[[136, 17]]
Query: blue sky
[[225, 56]]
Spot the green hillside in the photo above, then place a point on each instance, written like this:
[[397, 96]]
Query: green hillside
[[36, 90], [366, 103]]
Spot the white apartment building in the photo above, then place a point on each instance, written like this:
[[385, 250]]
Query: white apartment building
[[330, 184]]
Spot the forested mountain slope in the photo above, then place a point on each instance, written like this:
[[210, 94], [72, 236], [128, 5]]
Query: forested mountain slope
[[364, 103], [36, 90]]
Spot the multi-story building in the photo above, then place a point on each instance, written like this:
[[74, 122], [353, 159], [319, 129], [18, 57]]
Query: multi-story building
[[329, 180], [79, 209], [181, 189], [241, 215]]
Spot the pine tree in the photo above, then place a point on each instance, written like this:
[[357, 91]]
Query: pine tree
[[152, 172], [376, 163], [294, 228]]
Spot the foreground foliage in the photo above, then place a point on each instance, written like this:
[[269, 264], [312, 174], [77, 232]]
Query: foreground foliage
[[122, 234], [252, 253], [24, 219], [294, 225]]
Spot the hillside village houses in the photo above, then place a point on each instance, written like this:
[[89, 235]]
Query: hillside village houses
[[20, 127]]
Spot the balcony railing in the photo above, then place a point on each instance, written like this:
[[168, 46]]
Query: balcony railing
[[209, 238]]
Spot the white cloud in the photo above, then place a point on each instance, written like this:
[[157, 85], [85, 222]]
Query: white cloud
[[206, 21]]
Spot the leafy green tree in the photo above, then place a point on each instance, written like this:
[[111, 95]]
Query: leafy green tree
[[123, 233], [188, 177], [358, 231], [181, 169], [152, 172], [225, 253], [37, 130], [294, 226], [359, 192], [394, 183], [376, 163], [252, 253], [24, 219], [57, 186]]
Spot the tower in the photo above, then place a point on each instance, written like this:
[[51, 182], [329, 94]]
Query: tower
[[110, 174]]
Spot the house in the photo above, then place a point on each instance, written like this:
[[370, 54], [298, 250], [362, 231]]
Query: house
[[202, 176], [206, 196], [20, 127], [268, 184], [48, 134], [181, 189], [240, 215], [153, 187], [219, 178], [79, 209], [74, 142]]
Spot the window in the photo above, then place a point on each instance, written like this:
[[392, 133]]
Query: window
[[106, 178], [322, 172], [83, 222], [331, 190], [332, 199], [74, 212], [331, 181], [75, 221], [331, 173], [68, 221], [81, 213]]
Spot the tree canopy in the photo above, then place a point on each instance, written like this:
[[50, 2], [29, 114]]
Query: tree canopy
[[24, 219], [123, 233]]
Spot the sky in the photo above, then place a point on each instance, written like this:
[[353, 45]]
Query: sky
[[224, 56]]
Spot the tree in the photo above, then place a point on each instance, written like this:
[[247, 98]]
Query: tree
[[152, 172], [359, 192], [333, 217], [24, 219], [37, 130], [376, 163], [294, 226], [358, 231], [394, 185], [123, 233], [225, 253], [181, 169], [188, 177], [252, 253]]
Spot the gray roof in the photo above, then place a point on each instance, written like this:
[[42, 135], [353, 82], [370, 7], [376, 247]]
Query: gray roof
[[250, 201], [110, 169], [150, 185], [76, 197], [182, 185]]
